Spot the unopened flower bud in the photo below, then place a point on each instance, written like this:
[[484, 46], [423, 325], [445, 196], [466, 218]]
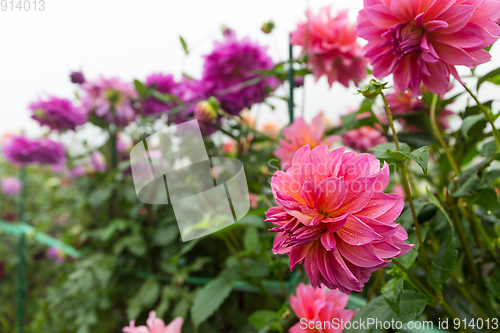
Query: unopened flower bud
[[372, 89], [267, 27], [205, 112], [77, 77]]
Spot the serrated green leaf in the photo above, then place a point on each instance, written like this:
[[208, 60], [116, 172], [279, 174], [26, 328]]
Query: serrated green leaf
[[184, 45], [469, 122], [489, 149], [209, 298], [261, 318], [445, 261], [392, 292], [412, 304], [421, 156], [433, 200]]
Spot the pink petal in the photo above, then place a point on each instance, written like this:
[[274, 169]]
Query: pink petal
[[386, 250], [457, 17], [333, 193], [393, 213], [380, 16], [378, 205], [422, 6], [355, 232], [363, 255], [402, 9], [359, 193], [453, 55], [437, 8]]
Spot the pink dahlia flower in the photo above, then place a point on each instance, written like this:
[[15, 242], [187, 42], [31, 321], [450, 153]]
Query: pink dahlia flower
[[406, 103], [163, 84], [58, 113], [319, 305], [110, 100], [421, 41], [21, 150], [11, 186], [77, 171], [363, 138], [231, 63], [331, 46], [333, 217], [155, 325], [299, 134]]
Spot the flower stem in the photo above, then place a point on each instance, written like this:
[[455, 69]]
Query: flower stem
[[240, 122], [437, 133], [417, 283], [470, 260], [374, 285], [483, 108], [408, 192]]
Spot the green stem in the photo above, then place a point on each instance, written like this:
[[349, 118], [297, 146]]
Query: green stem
[[470, 261], [437, 133], [375, 283], [465, 292], [417, 283], [20, 287], [486, 237], [483, 108], [290, 81], [408, 192], [239, 121]]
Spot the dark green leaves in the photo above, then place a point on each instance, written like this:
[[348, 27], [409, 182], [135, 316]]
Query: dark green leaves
[[392, 292], [211, 296], [388, 151], [434, 200], [141, 89], [469, 122], [411, 305], [445, 261]]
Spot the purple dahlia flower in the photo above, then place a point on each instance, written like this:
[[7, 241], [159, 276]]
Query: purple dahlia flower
[[163, 84], [21, 150], [58, 113], [231, 63]]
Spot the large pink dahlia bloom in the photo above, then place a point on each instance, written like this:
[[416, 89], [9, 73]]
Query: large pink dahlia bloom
[[155, 325], [299, 134], [319, 306], [421, 41], [333, 217], [331, 46]]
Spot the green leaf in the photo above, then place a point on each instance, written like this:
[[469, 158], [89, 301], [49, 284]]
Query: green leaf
[[100, 195], [251, 239], [421, 156], [261, 318], [141, 89], [392, 292], [145, 298], [433, 200], [408, 259], [166, 235], [493, 76], [489, 149], [387, 150], [412, 304], [184, 45], [209, 298], [469, 122], [445, 261]]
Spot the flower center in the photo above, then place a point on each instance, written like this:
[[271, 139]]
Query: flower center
[[404, 38]]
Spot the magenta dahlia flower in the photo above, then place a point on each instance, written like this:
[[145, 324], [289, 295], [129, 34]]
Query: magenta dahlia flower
[[331, 47], [21, 150], [163, 84], [98, 161], [11, 185], [299, 134], [110, 100], [231, 63], [155, 325], [333, 217], [58, 113], [406, 103], [319, 305], [56, 255], [421, 41]]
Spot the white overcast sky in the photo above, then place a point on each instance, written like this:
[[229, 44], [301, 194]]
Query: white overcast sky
[[132, 39]]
